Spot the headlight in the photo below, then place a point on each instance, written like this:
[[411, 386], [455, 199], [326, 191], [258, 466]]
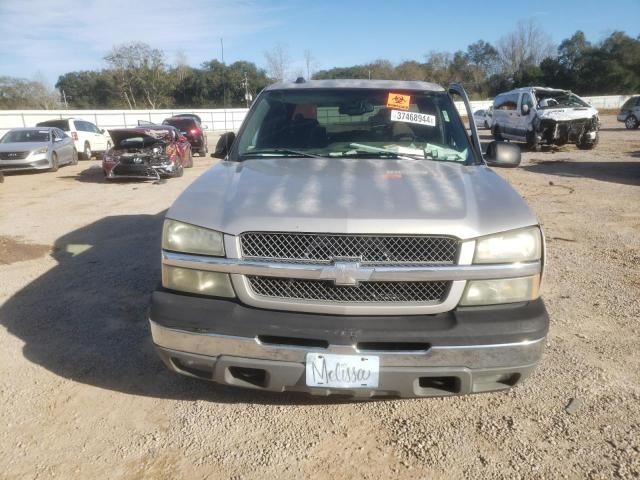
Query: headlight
[[186, 238], [40, 151], [507, 290], [197, 281], [522, 245]]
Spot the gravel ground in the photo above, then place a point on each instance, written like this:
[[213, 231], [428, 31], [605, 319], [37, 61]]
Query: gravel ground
[[83, 394]]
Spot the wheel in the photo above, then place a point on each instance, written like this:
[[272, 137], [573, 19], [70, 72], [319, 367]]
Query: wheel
[[532, 142], [496, 134], [54, 162], [74, 157], [589, 146], [179, 171], [631, 122], [203, 152], [86, 153]]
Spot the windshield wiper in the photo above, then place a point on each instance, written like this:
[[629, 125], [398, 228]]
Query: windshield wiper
[[276, 152], [361, 150]]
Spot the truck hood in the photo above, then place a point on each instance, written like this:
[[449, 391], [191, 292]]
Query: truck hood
[[352, 196], [567, 113]]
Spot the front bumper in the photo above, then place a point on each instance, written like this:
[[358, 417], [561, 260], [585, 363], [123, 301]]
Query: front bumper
[[26, 164], [144, 171], [463, 351]]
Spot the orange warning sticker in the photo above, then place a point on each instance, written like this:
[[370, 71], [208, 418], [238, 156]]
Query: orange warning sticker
[[397, 100]]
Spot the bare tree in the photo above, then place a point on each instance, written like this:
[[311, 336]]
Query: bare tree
[[140, 72], [309, 61], [18, 93], [278, 62], [181, 65], [527, 45]]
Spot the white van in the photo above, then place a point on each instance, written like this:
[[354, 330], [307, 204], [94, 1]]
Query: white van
[[544, 116], [87, 137]]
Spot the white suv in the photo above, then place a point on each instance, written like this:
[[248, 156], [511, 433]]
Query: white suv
[[87, 137]]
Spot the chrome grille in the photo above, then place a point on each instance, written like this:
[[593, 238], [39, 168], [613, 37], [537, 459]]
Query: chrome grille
[[382, 292], [369, 249]]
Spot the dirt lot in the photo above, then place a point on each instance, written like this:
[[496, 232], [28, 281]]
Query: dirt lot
[[83, 394]]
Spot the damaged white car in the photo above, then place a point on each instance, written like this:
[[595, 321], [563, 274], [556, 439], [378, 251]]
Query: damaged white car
[[545, 116]]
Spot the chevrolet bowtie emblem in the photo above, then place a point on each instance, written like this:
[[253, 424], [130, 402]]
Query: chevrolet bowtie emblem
[[346, 273]]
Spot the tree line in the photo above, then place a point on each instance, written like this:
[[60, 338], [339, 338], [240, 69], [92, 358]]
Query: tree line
[[139, 76]]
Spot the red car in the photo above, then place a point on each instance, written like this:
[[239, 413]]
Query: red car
[[148, 152], [190, 126]]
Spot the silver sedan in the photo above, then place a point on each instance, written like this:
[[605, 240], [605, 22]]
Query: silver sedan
[[42, 148]]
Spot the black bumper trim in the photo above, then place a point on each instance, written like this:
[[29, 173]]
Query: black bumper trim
[[463, 326]]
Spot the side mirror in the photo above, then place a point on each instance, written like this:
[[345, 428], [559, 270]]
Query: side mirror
[[102, 131], [502, 154], [224, 145], [525, 109]]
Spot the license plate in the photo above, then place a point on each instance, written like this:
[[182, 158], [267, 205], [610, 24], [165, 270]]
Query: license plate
[[342, 371]]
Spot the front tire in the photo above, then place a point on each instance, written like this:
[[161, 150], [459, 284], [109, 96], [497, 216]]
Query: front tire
[[74, 157], [589, 146], [54, 162], [496, 134], [631, 123], [179, 171], [86, 153]]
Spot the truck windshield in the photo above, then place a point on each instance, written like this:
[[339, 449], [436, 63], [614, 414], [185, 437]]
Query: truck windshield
[[357, 123]]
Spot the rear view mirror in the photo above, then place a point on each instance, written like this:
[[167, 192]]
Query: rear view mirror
[[355, 108], [502, 154], [224, 145]]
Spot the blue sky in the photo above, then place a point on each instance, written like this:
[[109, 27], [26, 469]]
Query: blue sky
[[45, 39]]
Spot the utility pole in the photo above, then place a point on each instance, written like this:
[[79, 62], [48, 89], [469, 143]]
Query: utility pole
[[64, 98], [245, 84], [224, 85]]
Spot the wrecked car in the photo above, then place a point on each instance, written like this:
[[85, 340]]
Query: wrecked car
[[541, 116], [149, 152], [353, 240]]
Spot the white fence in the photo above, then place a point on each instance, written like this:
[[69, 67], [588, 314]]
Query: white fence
[[215, 120]]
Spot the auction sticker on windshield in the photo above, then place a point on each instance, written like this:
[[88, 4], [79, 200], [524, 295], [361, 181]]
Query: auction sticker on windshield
[[413, 117], [342, 371]]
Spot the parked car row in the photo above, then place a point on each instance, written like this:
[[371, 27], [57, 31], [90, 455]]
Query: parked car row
[[147, 151]]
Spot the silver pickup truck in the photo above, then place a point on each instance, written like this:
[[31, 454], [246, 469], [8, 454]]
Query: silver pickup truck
[[353, 241]]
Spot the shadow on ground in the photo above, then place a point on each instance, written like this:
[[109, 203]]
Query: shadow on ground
[[626, 173], [86, 318]]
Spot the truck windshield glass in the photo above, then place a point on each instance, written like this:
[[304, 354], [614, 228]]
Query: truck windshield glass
[[354, 124]]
